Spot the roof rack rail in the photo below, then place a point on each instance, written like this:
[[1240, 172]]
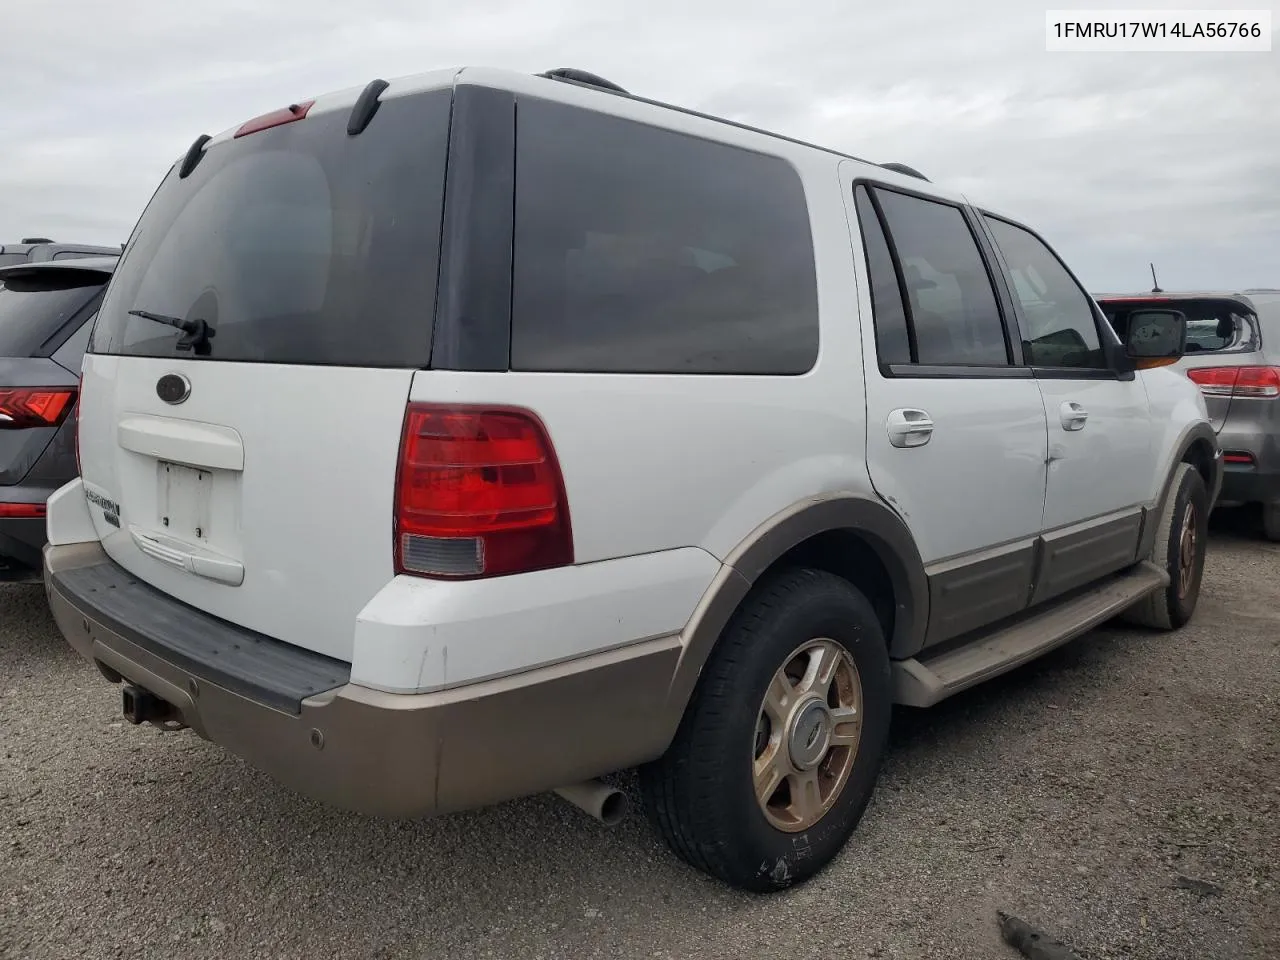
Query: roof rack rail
[[36, 240], [903, 168], [582, 78], [365, 106], [195, 153]]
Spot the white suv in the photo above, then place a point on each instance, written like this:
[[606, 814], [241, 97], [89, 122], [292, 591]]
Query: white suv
[[480, 434]]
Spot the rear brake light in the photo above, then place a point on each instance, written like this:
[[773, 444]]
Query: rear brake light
[[22, 407], [479, 493], [295, 111], [1237, 381], [22, 511]]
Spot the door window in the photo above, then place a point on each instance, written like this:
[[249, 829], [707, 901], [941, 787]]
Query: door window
[[952, 315]]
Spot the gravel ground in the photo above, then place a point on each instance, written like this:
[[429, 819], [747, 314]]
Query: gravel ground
[[1074, 793]]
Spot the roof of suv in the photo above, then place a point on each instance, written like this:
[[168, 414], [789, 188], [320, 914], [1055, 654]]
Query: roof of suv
[[537, 84], [1244, 298]]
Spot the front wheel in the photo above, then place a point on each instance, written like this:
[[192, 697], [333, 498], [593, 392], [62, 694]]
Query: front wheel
[[1181, 541], [779, 749]]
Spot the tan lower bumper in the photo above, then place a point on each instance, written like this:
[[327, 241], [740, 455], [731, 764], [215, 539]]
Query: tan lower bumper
[[411, 755]]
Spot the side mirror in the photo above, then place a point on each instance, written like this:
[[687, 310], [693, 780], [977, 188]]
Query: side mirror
[[1156, 338]]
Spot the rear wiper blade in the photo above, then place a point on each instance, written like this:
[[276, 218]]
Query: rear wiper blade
[[197, 330]]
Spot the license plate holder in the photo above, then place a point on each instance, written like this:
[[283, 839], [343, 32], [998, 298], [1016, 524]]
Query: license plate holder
[[184, 499]]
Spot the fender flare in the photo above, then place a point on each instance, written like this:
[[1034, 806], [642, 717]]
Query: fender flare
[[871, 519], [1200, 431]]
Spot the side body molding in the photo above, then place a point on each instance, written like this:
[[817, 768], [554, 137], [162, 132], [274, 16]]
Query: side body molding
[[874, 522]]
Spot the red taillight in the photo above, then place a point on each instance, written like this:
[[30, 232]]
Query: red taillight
[[479, 493], [295, 111], [1237, 381], [22, 407], [22, 511]]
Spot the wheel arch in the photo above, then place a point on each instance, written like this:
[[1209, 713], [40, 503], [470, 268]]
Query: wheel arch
[[851, 535], [1198, 446]]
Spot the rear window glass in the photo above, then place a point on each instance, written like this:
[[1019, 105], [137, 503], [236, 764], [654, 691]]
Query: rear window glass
[[34, 309], [1213, 325], [643, 250], [297, 244]]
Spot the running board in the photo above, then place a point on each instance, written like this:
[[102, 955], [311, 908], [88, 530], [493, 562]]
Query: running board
[[923, 681]]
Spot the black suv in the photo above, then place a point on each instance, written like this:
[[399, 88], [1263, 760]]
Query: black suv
[[46, 309]]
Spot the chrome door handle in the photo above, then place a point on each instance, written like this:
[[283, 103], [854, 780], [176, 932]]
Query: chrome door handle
[[909, 428], [1072, 415]]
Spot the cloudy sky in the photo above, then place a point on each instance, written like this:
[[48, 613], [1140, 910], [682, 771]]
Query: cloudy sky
[[1118, 159]]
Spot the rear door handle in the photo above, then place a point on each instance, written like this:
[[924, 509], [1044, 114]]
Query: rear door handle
[[909, 427], [1072, 415]]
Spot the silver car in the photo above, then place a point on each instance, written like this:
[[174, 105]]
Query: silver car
[[1233, 353]]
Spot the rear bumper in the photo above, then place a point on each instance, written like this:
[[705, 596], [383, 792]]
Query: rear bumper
[[1253, 429], [21, 539], [296, 715], [1249, 484]]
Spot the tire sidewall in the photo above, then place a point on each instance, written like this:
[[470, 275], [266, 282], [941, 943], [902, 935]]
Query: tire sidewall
[[1191, 489], [778, 858]]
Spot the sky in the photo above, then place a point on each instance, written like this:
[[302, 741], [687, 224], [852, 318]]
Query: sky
[[1117, 159]]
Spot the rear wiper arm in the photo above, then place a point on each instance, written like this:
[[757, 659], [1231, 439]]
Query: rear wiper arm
[[197, 330]]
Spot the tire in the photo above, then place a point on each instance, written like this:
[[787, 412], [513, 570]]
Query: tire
[[1170, 608], [1271, 521], [701, 795]]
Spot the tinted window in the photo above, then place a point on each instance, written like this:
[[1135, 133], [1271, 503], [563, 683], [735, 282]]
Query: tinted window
[[643, 250], [1062, 327], [297, 244], [34, 308], [893, 345], [953, 308], [1213, 325]]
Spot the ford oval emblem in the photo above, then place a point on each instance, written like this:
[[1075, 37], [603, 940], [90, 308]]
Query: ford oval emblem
[[173, 388]]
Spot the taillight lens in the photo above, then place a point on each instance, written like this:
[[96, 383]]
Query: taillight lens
[[479, 493], [1237, 381], [22, 511], [24, 407]]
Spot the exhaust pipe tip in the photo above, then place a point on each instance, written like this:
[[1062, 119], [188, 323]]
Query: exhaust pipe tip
[[598, 800]]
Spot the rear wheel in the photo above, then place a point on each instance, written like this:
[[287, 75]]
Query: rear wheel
[[1181, 540], [779, 749], [1271, 521]]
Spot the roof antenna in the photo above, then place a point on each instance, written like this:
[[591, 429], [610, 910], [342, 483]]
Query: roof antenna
[[1155, 284]]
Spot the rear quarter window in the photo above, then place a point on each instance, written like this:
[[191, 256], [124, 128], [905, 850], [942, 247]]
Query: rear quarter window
[[643, 250]]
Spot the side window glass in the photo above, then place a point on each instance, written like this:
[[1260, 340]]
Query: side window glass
[[1061, 323], [952, 306], [645, 250], [893, 345]]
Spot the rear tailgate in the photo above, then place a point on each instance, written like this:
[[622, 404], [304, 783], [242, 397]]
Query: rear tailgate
[[252, 474], [1222, 332]]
